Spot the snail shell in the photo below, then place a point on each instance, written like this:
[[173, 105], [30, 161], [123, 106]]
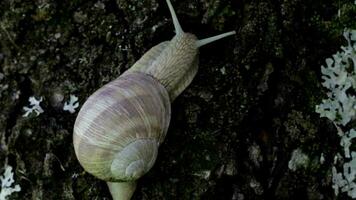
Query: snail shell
[[119, 128]]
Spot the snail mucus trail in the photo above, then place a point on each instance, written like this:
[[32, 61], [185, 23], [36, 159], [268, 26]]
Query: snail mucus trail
[[119, 128]]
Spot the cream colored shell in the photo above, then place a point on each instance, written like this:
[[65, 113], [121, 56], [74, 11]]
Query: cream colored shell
[[119, 128]]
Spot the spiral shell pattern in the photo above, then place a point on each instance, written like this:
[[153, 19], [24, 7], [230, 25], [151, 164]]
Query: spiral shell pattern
[[120, 127]]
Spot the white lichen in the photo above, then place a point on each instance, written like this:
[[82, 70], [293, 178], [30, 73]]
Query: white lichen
[[340, 107], [72, 104], [298, 160], [34, 107], [205, 174], [338, 180], [255, 155], [256, 186], [223, 70], [344, 182], [322, 158], [7, 187], [346, 141], [3, 87], [339, 76], [75, 175]]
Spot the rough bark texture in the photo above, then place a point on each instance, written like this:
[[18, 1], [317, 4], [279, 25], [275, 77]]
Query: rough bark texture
[[232, 131]]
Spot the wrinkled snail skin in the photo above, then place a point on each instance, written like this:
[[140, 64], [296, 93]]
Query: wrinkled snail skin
[[174, 64], [119, 128]]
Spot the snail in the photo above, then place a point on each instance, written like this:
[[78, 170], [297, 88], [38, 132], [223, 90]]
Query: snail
[[120, 126]]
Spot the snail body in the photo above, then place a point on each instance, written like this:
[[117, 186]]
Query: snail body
[[119, 128]]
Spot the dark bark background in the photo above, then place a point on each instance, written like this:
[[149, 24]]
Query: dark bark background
[[232, 131]]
